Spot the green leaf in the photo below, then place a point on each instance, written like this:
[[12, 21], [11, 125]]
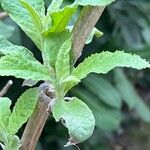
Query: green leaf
[[78, 119], [53, 42], [94, 2], [22, 110], [13, 143], [107, 118], [4, 117], [3, 137], [106, 61], [104, 90], [63, 61], [95, 32], [20, 67], [7, 48], [23, 18], [4, 112], [69, 82], [60, 19], [29, 82], [20, 62], [55, 5], [130, 96], [34, 14]]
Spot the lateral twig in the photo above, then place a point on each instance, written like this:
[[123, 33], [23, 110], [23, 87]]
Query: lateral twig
[[6, 88], [35, 125], [38, 119], [3, 15]]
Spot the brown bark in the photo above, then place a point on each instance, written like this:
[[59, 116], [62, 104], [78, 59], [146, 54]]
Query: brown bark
[[85, 23]]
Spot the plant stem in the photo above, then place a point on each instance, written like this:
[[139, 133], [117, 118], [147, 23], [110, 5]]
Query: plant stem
[[37, 121], [35, 126], [6, 88], [86, 22]]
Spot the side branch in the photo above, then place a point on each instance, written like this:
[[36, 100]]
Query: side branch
[[35, 126], [6, 88], [38, 119], [3, 15], [86, 22]]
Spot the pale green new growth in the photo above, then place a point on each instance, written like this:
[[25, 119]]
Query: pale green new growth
[[69, 82], [95, 32], [14, 144], [60, 19], [106, 61], [22, 110], [63, 61], [35, 16], [94, 2], [78, 119], [39, 6]]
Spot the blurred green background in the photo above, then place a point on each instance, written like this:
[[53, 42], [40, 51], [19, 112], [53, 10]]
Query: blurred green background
[[119, 100]]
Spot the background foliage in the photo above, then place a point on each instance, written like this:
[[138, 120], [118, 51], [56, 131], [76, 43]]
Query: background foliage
[[119, 100]]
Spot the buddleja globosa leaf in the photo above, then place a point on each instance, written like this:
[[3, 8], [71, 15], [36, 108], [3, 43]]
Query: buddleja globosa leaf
[[23, 18], [22, 110], [69, 82], [20, 62], [77, 117], [34, 15], [53, 42], [4, 117], [63, 61], [7, 48], [106, 61], [95, 32], [60, 19], [4, 112], [94, 2]]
